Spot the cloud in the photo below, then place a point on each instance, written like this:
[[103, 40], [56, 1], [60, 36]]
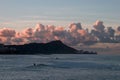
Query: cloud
[[102, 34], [118, 28], [6, 35], [75, 26], [17, 41], [99, 26], [118, 31], [72, 35], [6, 32], [110, 31]]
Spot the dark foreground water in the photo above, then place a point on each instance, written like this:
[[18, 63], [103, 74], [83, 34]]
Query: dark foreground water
[[60, 67]]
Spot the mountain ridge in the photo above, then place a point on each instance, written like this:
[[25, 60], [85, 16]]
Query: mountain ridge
[[53, 47]]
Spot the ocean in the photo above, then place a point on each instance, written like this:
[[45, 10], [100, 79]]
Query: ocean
[[60, 67]]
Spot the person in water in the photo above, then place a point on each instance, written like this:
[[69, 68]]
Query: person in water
[[34, 64]]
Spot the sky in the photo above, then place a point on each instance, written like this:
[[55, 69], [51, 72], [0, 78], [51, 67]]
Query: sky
[[20, 14]]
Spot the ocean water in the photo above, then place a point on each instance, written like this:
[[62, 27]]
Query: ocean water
[[60, 67]]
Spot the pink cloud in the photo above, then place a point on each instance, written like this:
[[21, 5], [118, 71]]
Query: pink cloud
[[73, 35], [99, 26]]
